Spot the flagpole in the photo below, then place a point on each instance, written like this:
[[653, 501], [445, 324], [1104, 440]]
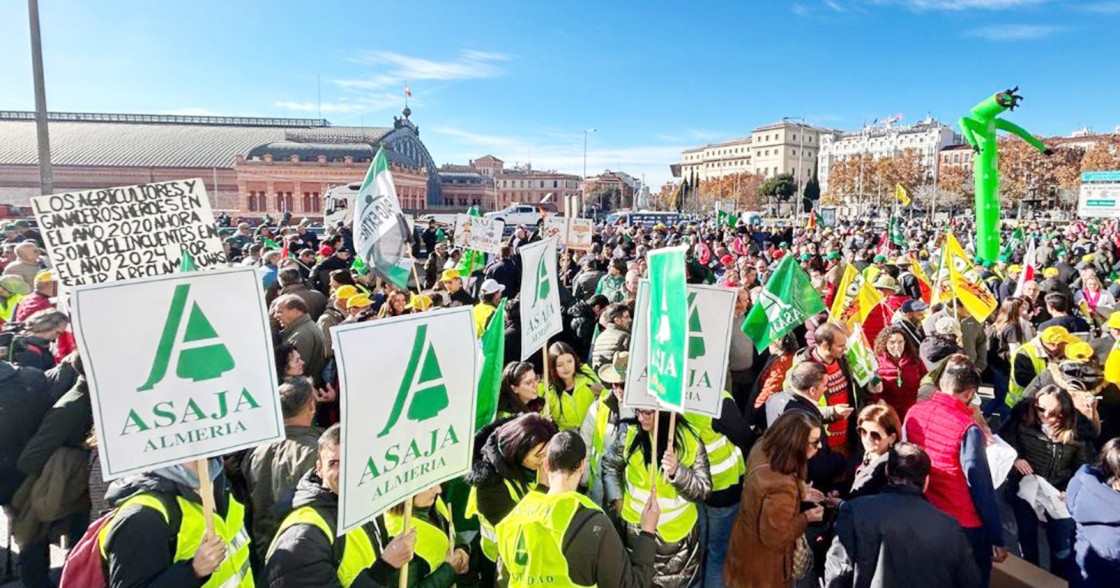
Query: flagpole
[[206, 492], [415, 274], [653, 449], [544, 358], [672, 430]]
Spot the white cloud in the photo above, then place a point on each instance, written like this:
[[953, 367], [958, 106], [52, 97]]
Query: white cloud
[[833, 4], [1102, 7], [1014, 32], [799, 10], [325, 107], [962, 4], [400, 68]]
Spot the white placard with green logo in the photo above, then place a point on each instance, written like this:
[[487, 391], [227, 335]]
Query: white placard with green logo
[[540, 296], [408, 406], [180, 367], [667, 329], [479, 233], [710, 311]]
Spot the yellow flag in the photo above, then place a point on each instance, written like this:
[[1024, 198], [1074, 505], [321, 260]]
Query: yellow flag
[[923, 279], [966, 283], [902, 194], [854, 298]]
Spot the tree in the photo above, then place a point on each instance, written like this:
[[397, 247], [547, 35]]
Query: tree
[[1104, 155], [781, 186], [956, 186], [666, 198], [813, 188]]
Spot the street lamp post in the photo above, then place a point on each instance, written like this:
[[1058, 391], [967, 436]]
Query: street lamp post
[[585, 133], [46, 175]]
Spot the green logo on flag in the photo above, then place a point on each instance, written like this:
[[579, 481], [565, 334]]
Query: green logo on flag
[[787, 301], [422, 385], [199, 350], [669, 320], [696, 348], [521, 552]]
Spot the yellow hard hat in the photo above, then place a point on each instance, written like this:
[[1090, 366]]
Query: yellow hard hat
[[419, 302], [345, 292], [1079, 351], [44, 276], [358, 301], [1113, 320], [1057, 335]]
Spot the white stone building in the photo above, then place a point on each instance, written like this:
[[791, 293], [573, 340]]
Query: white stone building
[[928, 136]]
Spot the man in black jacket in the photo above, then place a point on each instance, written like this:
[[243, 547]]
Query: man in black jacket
[[321, 273], [805, 386], [24, 399], [581, 320], [897, 538], [303, 554]]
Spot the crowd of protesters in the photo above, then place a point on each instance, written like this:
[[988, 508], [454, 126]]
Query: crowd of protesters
[[806, 478]]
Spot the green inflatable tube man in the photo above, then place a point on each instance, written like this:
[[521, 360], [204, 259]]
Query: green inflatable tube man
[[979, 129]]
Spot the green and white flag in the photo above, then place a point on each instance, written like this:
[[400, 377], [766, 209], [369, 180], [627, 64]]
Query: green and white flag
[[787, 301], [491, 358], [541, 316], [896, 234], [408, 408], [381, 233], [190, 376], [710, 312], [861, 359], [667, 330]]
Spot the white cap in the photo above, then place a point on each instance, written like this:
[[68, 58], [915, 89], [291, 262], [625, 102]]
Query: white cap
[[491, 286]]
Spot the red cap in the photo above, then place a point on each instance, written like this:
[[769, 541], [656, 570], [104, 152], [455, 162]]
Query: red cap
[[326, 251], [727, 260]]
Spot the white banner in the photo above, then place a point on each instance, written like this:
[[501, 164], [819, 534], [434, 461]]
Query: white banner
[[478, 233], [574, 233], [128, 232], [710, 311], [540, 296], [408, 408], [180, 367]]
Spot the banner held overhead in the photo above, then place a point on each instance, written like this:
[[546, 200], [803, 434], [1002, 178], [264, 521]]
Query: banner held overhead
[[541, 316], [667, 330]]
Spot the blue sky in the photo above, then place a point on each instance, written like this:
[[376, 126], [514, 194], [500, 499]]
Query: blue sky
[[522, 80]]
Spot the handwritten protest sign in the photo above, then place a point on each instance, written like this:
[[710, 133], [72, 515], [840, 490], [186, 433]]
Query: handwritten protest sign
[[408, 408], [127, 232], [574, 233], [189, 375], [478, 233]]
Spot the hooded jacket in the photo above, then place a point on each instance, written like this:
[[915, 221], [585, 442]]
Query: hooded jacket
[[1095, 507], [303, 556], [489, 473], [141, 544]]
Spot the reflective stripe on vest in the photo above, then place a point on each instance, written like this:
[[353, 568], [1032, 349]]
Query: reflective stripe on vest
[[531, 538], [678, 515], [432, 543], [489, 540], [234, 570], [357, 550], [1038, 360], [725, 459], [568, 410]]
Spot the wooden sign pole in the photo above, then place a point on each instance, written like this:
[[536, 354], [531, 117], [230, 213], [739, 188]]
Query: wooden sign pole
[[206, 492], [407, 520], [547, 411]]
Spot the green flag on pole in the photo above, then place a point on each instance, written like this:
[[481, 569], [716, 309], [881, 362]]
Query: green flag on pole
[[787, 301], [359, 267], [490, 376], [381, 232], [897, 237], [727, 218], [668, 327]]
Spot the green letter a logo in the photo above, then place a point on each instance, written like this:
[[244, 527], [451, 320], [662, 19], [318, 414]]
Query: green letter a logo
[[199, 351], [423, 381], [521, 552], [696, 347], [543, 285]]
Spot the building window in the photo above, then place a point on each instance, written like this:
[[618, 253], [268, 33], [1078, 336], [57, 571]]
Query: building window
[[307, 201], [252, 203]]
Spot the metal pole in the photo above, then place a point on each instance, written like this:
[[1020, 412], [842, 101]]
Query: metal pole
[[46, 175]]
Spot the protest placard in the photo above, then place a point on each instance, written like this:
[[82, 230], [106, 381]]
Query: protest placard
[[408, 408], [667, 330], [710, 311], [180, 367], [97, 236], [478, 233], [541, 316], [574, 233]]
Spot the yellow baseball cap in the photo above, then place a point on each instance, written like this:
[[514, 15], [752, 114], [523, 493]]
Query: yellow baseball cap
[[1050, 272], [1079, 351], [1057, 335], [358, 301], [44, 276], [345, 292], [419, 302], [1113, 320], [1015, 269], [451, 274]]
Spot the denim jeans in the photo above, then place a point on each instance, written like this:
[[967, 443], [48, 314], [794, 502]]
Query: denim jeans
[[1059, 536], [981, 552], [715, 532]]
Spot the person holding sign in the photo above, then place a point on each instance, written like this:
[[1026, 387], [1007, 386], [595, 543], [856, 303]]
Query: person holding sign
[[306, 550], [600, 426], [505, 471], [682, 481], [563, 537], [158, 535], [438, 562], [571, 389]]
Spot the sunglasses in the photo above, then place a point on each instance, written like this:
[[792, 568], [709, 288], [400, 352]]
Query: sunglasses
[[618, 385], [875, 436]]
